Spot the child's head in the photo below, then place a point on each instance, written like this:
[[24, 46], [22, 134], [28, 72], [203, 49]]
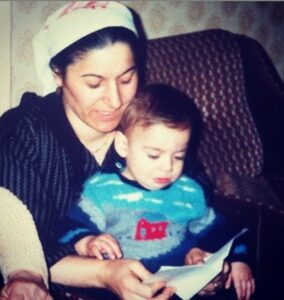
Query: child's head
[[154, 134]]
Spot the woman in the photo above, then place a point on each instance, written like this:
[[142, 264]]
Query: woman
[[51, 144]]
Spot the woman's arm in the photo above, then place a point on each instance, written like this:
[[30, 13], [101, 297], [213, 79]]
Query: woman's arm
[[20, 247], [121, 276]]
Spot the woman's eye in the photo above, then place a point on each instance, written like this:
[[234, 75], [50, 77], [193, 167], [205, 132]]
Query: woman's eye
[[126, 81], [180, 157], [94, 86]]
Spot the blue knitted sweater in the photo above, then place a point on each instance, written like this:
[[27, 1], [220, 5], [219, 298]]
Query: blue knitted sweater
[[157, 227]]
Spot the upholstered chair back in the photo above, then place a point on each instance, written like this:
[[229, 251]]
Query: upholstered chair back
[[207, 65]]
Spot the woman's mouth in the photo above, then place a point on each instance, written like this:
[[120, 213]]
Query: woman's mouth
[[106, 115]]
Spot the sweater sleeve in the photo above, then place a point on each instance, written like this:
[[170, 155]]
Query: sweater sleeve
[[214, 230], [76, 226], [20, 247]]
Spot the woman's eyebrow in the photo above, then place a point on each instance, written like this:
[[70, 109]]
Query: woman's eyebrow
[[132, 68]]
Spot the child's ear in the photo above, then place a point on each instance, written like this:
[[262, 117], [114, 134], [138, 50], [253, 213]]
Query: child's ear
[[121, 144]]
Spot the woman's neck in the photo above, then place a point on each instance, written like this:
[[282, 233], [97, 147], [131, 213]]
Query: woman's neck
[[96, 142]]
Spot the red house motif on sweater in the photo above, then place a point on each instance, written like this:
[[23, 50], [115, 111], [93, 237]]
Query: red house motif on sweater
[[151, 230]]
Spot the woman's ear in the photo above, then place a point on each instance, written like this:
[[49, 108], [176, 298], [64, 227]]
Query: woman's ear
[[57, 76], [121, 144]]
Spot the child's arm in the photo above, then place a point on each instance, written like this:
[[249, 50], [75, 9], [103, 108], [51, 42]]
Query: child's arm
[[100, 246], [211, 237], [76, 226], [242, 279], [197, 256]]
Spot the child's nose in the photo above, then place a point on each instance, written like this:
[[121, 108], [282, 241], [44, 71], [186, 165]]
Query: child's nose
[[167, 164]]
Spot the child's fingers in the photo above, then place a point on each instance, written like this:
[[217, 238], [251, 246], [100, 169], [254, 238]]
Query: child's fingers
[[95, 249], [244, 289], [195, 256], [238, 290], [103, 244], [243, 280], [107, 249], [228, 282], [193, 260], [253, 285], [250, 289], [226, 268], [114, 251]]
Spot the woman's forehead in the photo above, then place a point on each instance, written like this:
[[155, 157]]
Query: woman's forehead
[[114, 59]]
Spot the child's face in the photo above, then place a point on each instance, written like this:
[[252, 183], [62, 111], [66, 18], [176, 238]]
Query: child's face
[[155, 155]]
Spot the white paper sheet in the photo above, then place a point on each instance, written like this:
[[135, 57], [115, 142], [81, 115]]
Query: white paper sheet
[[189, 280]]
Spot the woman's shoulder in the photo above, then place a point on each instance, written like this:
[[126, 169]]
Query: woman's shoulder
[[28, 116], [31, 107]]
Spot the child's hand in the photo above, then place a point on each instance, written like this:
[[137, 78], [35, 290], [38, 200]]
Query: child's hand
[[98, 246], [195, 256], [243, 281]]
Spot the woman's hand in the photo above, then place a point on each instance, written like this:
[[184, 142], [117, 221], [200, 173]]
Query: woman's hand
[[99, 246], [125, 278], [241, 277], [25, 285]]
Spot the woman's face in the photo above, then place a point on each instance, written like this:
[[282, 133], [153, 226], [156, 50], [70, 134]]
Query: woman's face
[[98, 86]]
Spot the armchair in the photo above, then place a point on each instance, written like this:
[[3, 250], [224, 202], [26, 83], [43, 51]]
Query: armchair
[[241, 100]]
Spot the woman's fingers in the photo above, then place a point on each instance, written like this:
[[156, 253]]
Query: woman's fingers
[[133, 283], [166, 293], [127, 279], [24, 290]]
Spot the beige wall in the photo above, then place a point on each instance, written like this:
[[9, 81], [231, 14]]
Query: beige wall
[[263, 21], [5, 54]]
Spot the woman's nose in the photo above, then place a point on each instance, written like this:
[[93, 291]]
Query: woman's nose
[[113, 97]]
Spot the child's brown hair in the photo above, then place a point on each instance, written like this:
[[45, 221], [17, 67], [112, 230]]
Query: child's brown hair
[[159, 104]]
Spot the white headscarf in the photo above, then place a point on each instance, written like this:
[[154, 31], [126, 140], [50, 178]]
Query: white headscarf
[[70, 23]]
